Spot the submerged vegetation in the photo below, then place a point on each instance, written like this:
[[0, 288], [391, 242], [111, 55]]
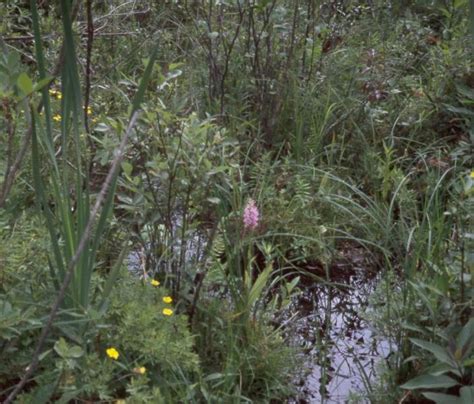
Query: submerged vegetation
[[178, 177]]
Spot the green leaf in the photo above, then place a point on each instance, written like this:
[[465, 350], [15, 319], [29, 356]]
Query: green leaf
[[460, 111], [466, 339], [61, 347], [42, 83], [459, 4], [214, 201], [127, 168], [24, 83], [111, 279], [258, 286], [442, 368], [440, 398], [439, 352], [468, 363], [429, 382], [44, 393], [138, 98], [75, 352], [65, 351], [467, 395]]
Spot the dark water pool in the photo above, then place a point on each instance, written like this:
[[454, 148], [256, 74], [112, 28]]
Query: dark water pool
[[342, 353]]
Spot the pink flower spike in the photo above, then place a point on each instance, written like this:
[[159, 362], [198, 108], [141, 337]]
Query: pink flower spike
[[251, 215]]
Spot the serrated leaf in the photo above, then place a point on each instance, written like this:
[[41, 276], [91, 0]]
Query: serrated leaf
[[429, 382], [61, 347]]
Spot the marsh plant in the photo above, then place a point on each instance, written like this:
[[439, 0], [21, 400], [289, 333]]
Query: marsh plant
[[237, 151]]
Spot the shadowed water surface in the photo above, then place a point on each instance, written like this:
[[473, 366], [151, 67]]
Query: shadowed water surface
[[342, 352]]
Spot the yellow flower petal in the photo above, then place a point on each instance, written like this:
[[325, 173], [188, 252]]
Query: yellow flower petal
[[154, 282], [57, 118], [167, 299], [112, 353], [141, 370], [167, 312], [472, 174], [55, 93]]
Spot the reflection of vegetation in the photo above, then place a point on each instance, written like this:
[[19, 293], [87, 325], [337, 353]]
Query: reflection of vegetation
[[347, 121]]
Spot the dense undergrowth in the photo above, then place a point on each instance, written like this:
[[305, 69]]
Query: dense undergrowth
[[254, 139]]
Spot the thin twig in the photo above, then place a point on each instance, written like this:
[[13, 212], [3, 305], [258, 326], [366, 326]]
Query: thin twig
[[26, 38], [11, 175], [72, 264]]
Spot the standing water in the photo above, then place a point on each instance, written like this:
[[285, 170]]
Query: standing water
[[342, 352]]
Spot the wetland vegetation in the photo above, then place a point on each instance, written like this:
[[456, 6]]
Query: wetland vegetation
[[212, 201]]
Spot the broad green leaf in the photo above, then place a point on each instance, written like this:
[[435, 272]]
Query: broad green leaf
[[439, 352], [127, 168], [442, 368], [43, 82], [24, 83], [468, 363], [429, 382], [440, 398], [467, 394], [466, 338], [75, 352], [259, 285]]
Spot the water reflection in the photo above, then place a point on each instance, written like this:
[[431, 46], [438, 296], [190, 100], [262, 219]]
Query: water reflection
[[342, 352]]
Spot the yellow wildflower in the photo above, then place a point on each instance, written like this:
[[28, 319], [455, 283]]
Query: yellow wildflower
[[89, 110], [112, 353], [168, 299], [55, 93], [154, 282], [472, 174], [167, 312], [57, 118], [141, 370]]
